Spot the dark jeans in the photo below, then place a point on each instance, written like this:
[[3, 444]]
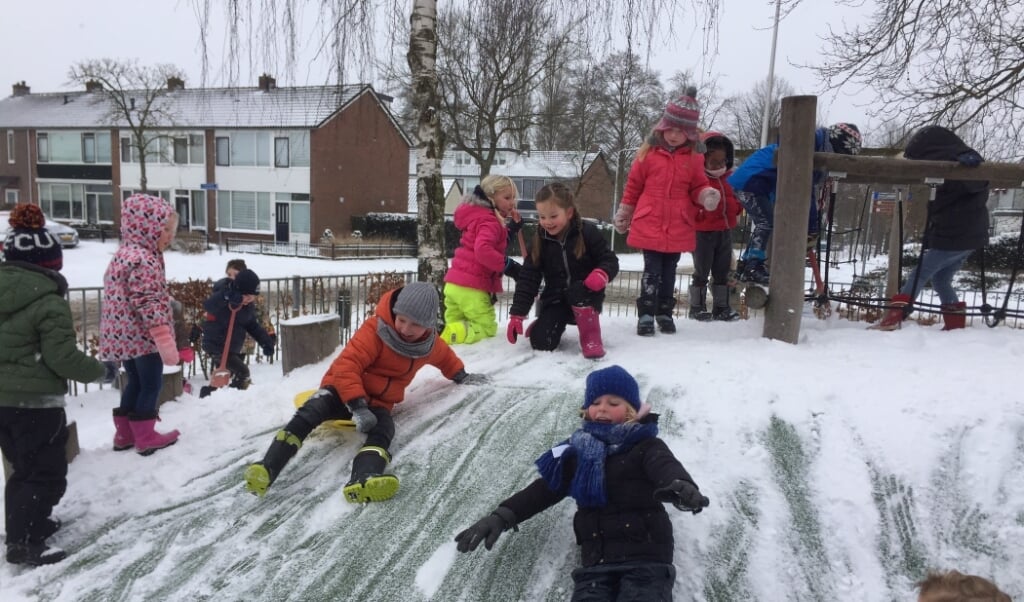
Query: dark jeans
[[761, 210], [547, 330], [33, 441], [145, 377], [713, 256], [658, 282], [939, 267], [624, 582]]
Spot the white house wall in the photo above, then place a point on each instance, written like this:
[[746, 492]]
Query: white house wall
[[263, 179], [161, 176]]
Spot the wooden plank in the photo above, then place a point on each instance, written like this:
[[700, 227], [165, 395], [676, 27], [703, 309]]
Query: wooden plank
[[887, 170]]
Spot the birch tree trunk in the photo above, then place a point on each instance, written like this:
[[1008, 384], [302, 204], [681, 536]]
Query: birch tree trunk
[[422, 59]]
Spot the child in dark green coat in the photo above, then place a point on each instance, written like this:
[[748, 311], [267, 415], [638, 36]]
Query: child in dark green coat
[[38, 355]]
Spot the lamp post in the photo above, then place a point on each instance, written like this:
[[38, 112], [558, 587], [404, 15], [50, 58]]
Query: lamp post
[[771, 77]]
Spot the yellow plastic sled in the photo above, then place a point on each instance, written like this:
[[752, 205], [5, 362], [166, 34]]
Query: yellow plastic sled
[[300, 400]]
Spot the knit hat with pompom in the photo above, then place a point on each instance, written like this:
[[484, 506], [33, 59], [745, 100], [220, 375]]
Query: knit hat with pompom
[[28, 239]]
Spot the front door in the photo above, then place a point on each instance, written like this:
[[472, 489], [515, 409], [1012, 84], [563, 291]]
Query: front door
[[281, 226]]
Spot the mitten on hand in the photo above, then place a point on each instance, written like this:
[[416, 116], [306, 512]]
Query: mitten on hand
[[969, 159], [232, 295], [514, 225], [164, 339], [709, 198], [268, 349], [684, 495], [361, 415], [486, 530], [464, 378], [623, 217], [596, 280], [187, 355], [515, 328]]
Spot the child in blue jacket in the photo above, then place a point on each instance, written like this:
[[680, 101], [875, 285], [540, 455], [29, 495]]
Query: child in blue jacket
[[238, 294]]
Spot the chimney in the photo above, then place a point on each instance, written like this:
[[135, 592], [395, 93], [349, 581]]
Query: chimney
[[20, 89], [525, 150], [267, 83], [93, 86], [175, 83]]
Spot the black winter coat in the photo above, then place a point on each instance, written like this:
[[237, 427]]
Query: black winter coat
[[958, 217], [632, 526], [215, 330], [562, 272]]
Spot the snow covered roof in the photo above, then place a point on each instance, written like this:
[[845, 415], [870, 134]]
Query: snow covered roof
[[303, 107], [515, 164]]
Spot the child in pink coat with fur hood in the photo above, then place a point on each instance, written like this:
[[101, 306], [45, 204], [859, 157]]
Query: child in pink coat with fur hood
[[665, 187], [136, 324]]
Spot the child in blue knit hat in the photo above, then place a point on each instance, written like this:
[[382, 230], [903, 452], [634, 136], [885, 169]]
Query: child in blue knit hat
[[620, 474]]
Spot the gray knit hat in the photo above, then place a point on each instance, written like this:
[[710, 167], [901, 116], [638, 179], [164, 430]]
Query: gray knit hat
[[419, 302]]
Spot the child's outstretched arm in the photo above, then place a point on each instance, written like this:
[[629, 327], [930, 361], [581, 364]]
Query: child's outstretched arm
[[684, 495], [486, 530]]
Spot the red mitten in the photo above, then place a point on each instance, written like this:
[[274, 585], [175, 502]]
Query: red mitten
[[515, 328], [164, 339], [187, 355], [596, 280]]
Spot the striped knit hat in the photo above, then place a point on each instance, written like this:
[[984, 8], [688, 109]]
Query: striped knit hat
[[682, 113]]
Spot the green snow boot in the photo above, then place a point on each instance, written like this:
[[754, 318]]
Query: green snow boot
[[368, 484], [259, 476]]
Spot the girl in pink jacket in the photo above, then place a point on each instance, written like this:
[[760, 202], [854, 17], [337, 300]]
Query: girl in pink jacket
[[665, 187], [479, 261], [136, 324]]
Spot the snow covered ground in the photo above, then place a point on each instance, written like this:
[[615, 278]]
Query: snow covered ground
[[840, 468]]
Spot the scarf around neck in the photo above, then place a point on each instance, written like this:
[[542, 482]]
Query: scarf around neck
[[590, 445], [392, 339]]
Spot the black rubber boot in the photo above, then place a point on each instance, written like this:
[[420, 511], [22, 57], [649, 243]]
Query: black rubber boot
[[645, 310], [699, 303], [664, 315], [722, 311], [261, 475], [368, 482]]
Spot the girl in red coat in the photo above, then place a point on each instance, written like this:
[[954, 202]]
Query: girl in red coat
[[666, 186], [714, 235], [479, 261]]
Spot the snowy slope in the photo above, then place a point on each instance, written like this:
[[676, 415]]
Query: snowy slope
[[839, 469]]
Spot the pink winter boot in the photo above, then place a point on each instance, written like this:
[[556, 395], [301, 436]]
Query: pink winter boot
[[148, 440], [123, 437], [590, 331]]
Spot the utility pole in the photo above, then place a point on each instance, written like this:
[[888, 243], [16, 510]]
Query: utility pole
[[771, 77]]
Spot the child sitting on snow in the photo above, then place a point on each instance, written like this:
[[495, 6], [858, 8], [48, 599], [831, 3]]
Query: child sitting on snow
[[363, 384], [620, 473]]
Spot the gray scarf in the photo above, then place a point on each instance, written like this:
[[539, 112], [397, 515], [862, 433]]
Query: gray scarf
[[394, 340]]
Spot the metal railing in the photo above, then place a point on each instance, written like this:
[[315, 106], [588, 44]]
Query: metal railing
[[284, 298], [331, 251]]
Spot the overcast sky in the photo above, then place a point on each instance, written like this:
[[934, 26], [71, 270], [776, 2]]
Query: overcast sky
[[45, 37]]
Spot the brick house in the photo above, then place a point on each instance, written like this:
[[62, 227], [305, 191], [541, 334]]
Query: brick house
[[265, 162], [587, 172]]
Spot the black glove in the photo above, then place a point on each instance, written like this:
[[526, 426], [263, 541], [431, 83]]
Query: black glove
[[512, 268], [464, 378], [969, 159], [195, 334], [361, 415], [514, 227], [579, 295], [268, 349], [232, 295], [684, 495], [487, 530]]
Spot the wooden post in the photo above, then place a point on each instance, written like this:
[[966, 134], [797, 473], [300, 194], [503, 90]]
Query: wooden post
[[308, 339], [892, 282], [792, 205]]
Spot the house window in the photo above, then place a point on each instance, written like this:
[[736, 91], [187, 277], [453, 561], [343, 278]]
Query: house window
[[10, 146], [88, 148], [127, 150], [181, 150], [196, 149], [43, 148], [243, 210], [223, 144], [281, 152], [198, 198], [11, 196]]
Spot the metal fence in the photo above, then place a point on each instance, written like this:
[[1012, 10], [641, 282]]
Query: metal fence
[[353, 298], [323, 250]]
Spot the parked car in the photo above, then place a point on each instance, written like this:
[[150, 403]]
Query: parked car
[[67, 235]]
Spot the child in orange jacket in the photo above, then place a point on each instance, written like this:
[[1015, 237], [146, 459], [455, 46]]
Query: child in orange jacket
[[363, 384]]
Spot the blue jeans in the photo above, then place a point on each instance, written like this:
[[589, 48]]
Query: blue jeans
[[761, 210], [939, 267], [658, 282], [142, 387]]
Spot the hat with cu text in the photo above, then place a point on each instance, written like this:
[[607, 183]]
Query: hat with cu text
[[28, 239]]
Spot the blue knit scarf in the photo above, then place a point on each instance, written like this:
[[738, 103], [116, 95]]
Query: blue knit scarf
[[590, 445]]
